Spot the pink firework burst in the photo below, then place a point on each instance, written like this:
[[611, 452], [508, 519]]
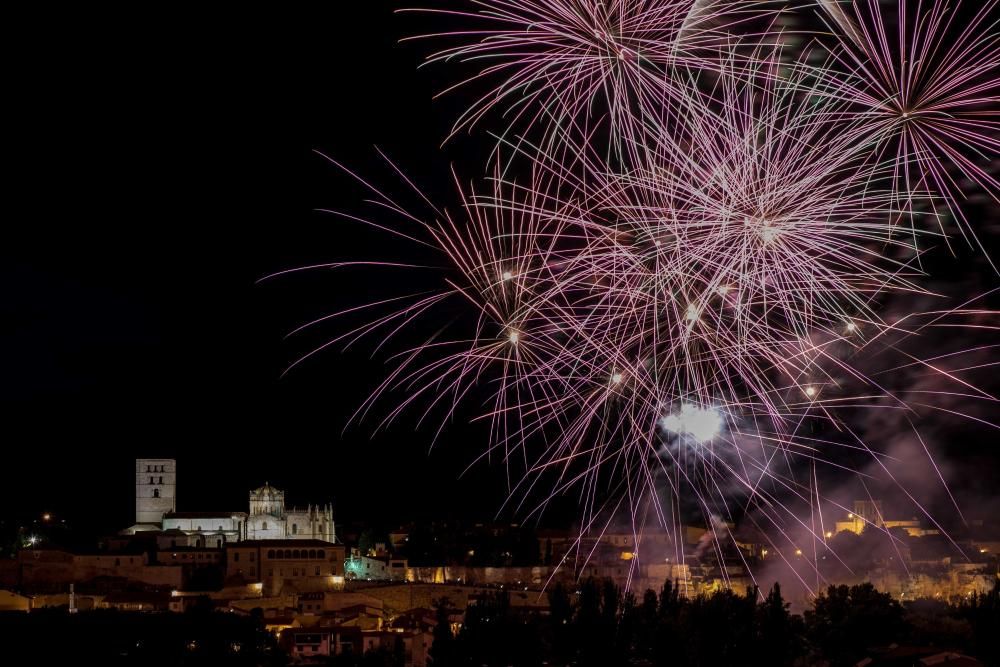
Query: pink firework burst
[[572, 63], [696, 324], [924, 80], [715, 286]]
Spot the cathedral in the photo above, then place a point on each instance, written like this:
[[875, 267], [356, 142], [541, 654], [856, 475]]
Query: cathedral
[[268, 518]]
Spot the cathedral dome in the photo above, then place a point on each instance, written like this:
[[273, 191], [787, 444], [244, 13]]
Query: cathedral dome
[[267, 492], [267, 500]]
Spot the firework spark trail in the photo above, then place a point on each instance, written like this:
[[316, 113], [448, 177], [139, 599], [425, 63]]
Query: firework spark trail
[[674, 322], [924, 80], [584, 63], [760, 243]]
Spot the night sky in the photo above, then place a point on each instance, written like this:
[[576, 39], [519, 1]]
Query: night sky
[[161, 165], [164, 167]]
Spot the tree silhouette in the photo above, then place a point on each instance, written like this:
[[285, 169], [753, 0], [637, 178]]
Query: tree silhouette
[[776, 631], [846, 621]]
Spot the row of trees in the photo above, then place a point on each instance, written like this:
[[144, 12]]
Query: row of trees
[[603, 627]]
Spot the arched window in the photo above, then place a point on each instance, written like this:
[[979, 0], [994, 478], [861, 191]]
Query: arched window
[[218, 543], [295, 554], [220, 529], [288, 553], [270, 553], [321, 554], [156, 493], [263, 526], [200, 543], [312, 553], [295, 529], [173, 544]]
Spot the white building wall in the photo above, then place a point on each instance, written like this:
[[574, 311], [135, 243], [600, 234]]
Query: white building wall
[[219, 524], [265, 527], [314, 523]]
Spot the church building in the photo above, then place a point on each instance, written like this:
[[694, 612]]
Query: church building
[[268, 518]]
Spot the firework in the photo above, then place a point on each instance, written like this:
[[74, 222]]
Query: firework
[[579, 63], [700, 317], [698, 301], [924, 80]]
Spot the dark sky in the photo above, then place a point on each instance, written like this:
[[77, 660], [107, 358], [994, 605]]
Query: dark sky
[[163, 163], [160, 164]]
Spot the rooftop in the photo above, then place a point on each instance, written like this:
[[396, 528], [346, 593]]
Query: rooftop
[[283, 543], [126, 597]]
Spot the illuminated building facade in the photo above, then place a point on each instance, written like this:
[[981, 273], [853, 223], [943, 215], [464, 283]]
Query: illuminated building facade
[[155, 490], [866, 513], [288, 565], [268, 518]]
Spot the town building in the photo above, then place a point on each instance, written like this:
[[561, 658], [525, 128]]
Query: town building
[[53, 570], [361, 567], [11, 601], [296, 565], [413, 647]]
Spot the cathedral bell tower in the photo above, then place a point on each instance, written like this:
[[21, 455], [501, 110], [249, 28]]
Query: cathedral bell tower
[[155, 489]]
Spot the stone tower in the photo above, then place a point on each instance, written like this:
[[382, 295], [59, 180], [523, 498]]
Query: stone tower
[[155, 489]]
